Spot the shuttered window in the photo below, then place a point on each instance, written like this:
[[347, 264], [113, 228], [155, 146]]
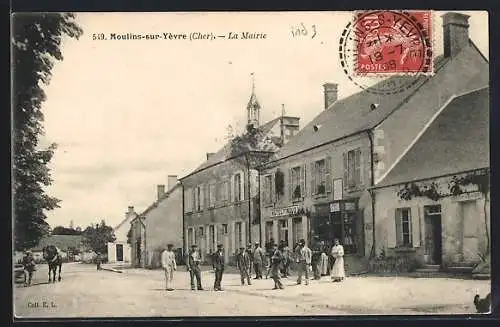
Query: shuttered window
[[267, 189], [353, 174], [320, 177], [404, 227], [211, 195]]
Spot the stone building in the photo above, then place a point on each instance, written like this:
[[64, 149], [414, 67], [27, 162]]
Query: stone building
[[159, 225], [119, 251], [433, 207], [221, 197], [316, 186]]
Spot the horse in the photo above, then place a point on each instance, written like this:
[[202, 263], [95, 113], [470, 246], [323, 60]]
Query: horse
[[54, 260]]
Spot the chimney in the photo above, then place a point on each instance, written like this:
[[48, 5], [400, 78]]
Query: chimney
[[331, 93], [130, 209], [172, 181], [455, 33], [209, 155], [160, 191]]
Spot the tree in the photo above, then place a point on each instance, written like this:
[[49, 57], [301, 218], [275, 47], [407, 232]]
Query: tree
[[61, 230], [96, 237], [36, 40]]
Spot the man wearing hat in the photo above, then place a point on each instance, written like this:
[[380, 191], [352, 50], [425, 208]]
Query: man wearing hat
[[250, 255], [276, 260], [218, 264], [193, 266], [29, 267], [169, 266], [259, 258], [304, 261], [243, 263]]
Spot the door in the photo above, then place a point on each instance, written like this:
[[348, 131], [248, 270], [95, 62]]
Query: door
[[119, 252], [433, 237]]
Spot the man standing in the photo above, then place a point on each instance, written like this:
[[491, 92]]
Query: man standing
[[250, 255], [304, 261], [98, 260], [169, 266], [29, 267], [243, 264], [316, 256], [287, 257], [258, 260], [276, 261], [218, 263], [193, 266]]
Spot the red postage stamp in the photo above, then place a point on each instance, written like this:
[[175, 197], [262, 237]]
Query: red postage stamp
[[393, 42]]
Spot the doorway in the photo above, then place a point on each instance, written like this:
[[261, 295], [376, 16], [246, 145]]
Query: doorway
[[433, 237], [119, 252]]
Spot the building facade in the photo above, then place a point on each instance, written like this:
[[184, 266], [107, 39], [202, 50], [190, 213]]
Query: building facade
[[119, 251], [160, 224], [317, 185], [221, 197], [438, 214]]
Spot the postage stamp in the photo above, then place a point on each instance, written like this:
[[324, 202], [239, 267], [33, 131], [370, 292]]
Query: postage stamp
[[250, 164], [393, 42]]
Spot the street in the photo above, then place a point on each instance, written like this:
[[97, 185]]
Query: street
[[85, 292]]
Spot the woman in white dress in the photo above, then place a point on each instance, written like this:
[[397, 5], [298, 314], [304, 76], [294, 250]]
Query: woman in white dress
[[323, 263], [338, 272]]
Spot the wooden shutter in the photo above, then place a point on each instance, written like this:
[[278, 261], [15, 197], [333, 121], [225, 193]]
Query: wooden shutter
[[313, 179], [415, 226], [193, 199], [328, 180], [272, 191], [230, 189], [202, 197], [346, 169], [303, 181], [232, 234], [391, 219], [242, 186], [290, 183], [361, 168], [357, 166]]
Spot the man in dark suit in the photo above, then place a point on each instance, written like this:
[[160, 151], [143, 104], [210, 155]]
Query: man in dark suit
[[218, 264], [193, 266]]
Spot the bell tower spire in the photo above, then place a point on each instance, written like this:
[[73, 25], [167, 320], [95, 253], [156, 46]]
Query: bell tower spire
[[253, 107]]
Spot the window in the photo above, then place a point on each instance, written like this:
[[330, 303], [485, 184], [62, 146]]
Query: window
[[198, 198], [238, 235], [211, 195], [320, 177], [352, 168], [267, 189], [224, 191], [297, 183], [188, 200], [269, 231], [237, 188], [297, 230], [283, 230], [211, 238], [190, 237], [403, 227], [200, 231], [224, 229]]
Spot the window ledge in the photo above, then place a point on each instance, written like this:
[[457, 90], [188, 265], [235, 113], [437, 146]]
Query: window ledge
[[296, 200], [269, 205], [320, 196]]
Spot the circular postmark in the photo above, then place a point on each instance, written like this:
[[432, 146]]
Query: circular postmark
[[387, 51]]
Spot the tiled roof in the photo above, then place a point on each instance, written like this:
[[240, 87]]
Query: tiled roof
[[456, 141], [352, 114], [62, 242], [224, 153]]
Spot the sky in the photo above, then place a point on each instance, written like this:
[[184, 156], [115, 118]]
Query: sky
[[128, 113]]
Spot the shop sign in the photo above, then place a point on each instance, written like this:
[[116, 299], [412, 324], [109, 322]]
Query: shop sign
[[287, 211], [335, 207]]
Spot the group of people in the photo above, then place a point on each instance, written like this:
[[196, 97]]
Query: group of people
[[275, 260]]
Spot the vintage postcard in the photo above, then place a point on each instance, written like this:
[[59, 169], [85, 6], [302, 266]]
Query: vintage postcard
[[251, 164]]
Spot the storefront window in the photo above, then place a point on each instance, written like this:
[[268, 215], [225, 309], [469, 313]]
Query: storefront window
[[340, 223]]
